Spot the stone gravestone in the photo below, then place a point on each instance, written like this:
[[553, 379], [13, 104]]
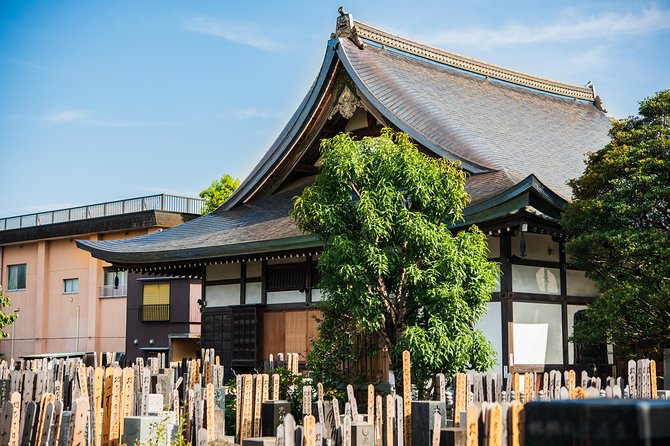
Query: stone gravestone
[[289, 430], [272, 415], [423, 418]]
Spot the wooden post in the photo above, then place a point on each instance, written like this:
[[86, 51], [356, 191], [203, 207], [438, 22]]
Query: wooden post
[[15, 425], [310, 431], [654, 384], [245, 430], [407, 397], [258, 396], [209, 398], [514, 426], [319, 393], [115, 412], [107, 414], [472, 426], [126, 408], [275, 387], [388, 432], [460, 400], [352, 402], [378, 420], [80, 415], [371, 403], [437, 427], [494, 425]]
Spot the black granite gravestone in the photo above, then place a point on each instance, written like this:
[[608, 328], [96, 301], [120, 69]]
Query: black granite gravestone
[[598, 421]]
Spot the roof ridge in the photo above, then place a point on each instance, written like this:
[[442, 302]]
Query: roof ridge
[[356, 30]]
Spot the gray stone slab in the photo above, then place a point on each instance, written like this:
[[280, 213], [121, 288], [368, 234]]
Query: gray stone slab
[[272, 415], [259, 441], [362, 434], [423, 417], [141, 429]]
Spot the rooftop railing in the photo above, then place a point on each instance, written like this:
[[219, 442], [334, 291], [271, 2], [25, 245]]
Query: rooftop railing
[[161, 202]]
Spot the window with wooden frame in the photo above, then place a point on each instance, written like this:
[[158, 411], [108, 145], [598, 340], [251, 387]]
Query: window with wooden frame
[[155, 302]]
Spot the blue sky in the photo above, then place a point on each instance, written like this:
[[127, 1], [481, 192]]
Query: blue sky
[[109, 100]]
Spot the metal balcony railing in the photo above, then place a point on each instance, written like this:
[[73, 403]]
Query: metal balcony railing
[[154, 313], [112, 291], [161, 202]]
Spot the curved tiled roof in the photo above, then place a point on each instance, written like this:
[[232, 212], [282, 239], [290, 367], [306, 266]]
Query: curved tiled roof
[[482, 122]]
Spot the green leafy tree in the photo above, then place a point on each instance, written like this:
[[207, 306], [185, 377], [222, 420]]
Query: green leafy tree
[[619, 224], [5, 319], [393, 274], [218, 192]]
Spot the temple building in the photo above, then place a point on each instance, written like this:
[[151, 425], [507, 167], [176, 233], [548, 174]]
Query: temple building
[[520, 138]]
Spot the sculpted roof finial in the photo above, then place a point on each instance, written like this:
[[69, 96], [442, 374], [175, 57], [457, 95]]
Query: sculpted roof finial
[[344, 27]]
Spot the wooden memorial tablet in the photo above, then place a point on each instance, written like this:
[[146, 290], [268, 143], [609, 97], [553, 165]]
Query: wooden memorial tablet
[[275, 387], [407, 397], [310, 430]]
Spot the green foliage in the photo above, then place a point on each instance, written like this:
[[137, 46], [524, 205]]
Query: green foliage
[[393, 275], [619, 224], [218, 192], [5, 319]]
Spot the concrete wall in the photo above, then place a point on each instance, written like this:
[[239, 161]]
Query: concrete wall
[[52, 321]]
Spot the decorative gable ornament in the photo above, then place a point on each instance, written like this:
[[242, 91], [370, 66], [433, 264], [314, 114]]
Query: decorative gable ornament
[[346, 104]]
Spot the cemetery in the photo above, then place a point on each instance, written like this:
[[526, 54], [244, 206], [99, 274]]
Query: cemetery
[[65, 402]]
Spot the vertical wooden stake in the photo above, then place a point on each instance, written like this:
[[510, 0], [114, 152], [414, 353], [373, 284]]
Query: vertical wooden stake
[[407, 397]]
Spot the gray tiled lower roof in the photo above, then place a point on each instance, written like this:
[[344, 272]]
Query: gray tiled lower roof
[[486, 123]]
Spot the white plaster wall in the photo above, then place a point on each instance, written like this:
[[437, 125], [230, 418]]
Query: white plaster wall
[[531, 279], [222, 295], [537, 333], [538, 247], [253, 293], [285, 297], [223, 271], [491, 325]]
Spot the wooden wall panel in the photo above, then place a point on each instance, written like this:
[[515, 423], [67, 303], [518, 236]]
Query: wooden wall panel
[[273, 333], [296, 331]]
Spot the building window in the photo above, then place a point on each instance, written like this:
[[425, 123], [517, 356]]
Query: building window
[[115, 283], [155, 302], [70, 286], [16, 277]]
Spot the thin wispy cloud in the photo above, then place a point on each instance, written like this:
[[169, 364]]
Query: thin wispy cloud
[[250, 34], [250, 113], [608, 25], [88, 118]]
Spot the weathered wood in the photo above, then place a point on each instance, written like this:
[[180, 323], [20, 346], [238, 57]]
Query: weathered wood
[[247, 402], [407, 397], [146, 388], [275, 387], [6, 422], [378, 420], [15, 425], [319, 392], [352, 401], [346, 431], [494, 425], [310, 430], [258, 397], [632, 378], [652, 376], [460, 400], [472, 426], [515, 425], [107, 414], [266, 387], [209, 399], [115, 408], [437, 427], [399, 421], [388, 421], [56, 425], [46, 427], [371, 403], [307, 400], [28, 423]]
